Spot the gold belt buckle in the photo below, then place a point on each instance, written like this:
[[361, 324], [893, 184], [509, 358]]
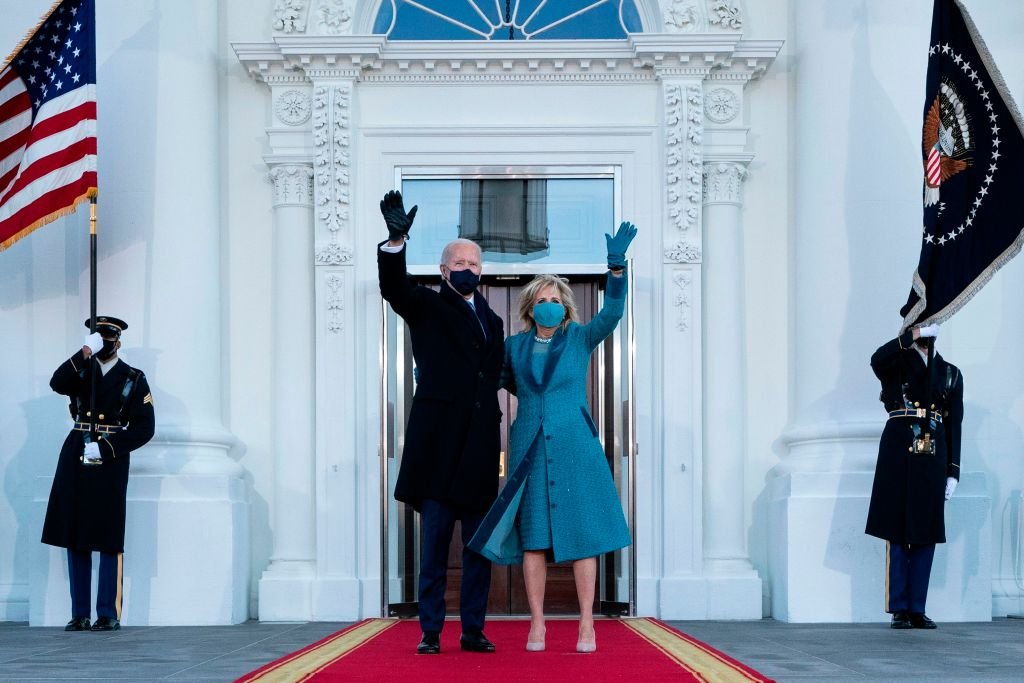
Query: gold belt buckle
[[922, 412]]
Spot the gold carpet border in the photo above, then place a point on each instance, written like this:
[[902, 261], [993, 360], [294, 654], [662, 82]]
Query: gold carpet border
[[303, 665], [702, 663]]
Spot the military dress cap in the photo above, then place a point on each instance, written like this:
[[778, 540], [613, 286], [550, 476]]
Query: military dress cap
[[108, 325]]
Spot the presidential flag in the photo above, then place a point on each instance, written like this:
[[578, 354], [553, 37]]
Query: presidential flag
[[48, 121], [972, 152]]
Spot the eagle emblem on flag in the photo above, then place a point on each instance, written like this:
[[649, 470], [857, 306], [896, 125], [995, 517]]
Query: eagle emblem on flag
[[946, 139]]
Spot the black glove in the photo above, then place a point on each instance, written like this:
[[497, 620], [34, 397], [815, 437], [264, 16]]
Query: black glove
[[397, 220]]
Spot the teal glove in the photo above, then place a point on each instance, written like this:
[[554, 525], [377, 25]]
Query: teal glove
[[618, 245]]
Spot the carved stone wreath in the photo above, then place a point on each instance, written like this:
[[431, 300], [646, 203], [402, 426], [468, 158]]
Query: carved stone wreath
[[293, 107], [721, 105], [683, 252]]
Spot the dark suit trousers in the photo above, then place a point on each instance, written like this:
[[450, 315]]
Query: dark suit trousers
[[437, 526], [910, 567], [108, 590]]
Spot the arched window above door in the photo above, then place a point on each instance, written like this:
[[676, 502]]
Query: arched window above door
[[507, 19]]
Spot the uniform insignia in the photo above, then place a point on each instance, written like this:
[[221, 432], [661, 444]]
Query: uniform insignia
[[148, 399]]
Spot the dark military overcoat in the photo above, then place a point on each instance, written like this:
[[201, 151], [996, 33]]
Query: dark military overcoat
[[908, 495], [452, 439], [86, 510]]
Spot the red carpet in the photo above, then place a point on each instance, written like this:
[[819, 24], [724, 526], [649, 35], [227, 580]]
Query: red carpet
[[627, 650]]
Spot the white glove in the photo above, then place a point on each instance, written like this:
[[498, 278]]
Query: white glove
[[92, 454], [928, 331], [94, 341], [950, 487]]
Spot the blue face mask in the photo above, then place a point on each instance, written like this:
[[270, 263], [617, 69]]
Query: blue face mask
[[548, 314], [464, 281]]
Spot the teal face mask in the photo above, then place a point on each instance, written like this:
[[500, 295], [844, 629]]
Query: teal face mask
[[548, 314]]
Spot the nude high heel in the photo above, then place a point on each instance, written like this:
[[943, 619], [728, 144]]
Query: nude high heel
[[538, 646], [586, 646]]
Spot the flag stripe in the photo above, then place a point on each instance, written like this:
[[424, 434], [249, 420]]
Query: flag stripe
[[10, 86], [14, 134], [8, 76], [15, 105], [43, 167], [67, 184]]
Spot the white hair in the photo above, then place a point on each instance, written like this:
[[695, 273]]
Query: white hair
[[448, 248]]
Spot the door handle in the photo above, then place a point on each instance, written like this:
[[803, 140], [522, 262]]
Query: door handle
[[501, 464]]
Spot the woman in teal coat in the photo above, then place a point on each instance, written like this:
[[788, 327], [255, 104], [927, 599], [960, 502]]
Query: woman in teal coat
[[560, 500]]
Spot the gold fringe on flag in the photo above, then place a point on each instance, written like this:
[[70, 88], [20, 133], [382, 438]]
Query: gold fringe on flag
[[24, 41], [49, 218]]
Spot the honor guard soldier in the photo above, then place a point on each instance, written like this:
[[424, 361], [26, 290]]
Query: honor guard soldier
[[918, 466], [86, 511]]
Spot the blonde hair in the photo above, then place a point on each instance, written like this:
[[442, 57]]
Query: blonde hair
[[533, 288]]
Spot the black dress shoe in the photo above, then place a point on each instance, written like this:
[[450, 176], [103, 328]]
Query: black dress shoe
[[900, 620], [106, 624], [78, 624], [475, 642], [430, 643], [920, 620]]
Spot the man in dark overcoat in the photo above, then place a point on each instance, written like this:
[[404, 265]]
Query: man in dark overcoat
[[86, 510], [918, 466], [449, 468]]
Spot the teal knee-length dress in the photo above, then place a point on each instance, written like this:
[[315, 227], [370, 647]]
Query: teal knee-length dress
[[560, 494], [534, 514]]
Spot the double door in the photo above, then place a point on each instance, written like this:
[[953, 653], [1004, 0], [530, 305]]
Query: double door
[[607, 396]]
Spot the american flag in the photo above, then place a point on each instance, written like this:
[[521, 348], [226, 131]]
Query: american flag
[[48, 121]]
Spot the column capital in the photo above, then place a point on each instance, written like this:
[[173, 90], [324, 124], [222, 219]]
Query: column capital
[[293, 185], [723, 181]]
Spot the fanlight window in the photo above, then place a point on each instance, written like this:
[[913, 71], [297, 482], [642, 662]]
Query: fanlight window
[[506, 19]]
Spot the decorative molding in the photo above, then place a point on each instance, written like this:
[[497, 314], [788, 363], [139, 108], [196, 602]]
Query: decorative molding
[[334, 17], [332, 161], [683, 153], [293, 184], [721, 105], [335, 302], [681, 299], [683, 252], [289, 16], [293, 107], [723, 55], [682, 16], [725, 14], [333, 254], [723, 182]]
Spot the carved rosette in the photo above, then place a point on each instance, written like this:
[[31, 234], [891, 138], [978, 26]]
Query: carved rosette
[[332, 162], [289, 16], [292, 107], [723, 182], [721, 105], [293, 184], [681, 298], [335, 302], [683, 252], [725, 13], [334, 17]]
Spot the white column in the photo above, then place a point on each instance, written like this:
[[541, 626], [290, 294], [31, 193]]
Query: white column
[[734, 586], [285, 587]]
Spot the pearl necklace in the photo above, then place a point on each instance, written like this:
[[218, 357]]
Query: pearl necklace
[[542, 340]]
